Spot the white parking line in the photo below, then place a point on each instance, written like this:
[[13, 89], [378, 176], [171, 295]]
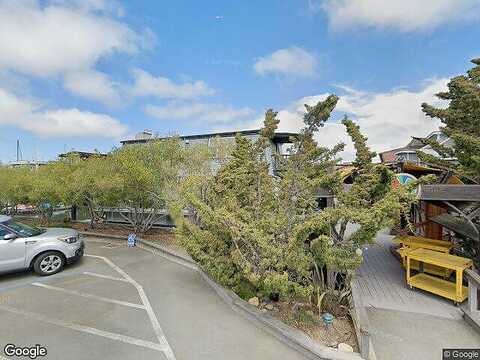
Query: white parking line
[[89, 296], [112, 246], [100, 241], [151, 314], [85, 329], [105, 276]]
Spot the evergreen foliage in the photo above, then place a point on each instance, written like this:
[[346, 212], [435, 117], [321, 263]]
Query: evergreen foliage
[[461, 122], [263, 234]]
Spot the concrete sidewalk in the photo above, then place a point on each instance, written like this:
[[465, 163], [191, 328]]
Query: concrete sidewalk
[[406, 324], [398, 335]]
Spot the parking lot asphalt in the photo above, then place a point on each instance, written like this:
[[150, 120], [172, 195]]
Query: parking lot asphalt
[[127, 303]]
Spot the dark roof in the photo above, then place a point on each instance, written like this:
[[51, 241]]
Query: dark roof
[[391, 151], [279, 137], [415, 144], [80, 154], [442, 192]]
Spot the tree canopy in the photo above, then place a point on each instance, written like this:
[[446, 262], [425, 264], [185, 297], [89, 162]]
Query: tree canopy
[[138, 178], [264, 234], [461, 122]]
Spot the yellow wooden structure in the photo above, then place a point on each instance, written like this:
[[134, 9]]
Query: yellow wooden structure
[[415, 242], [428, 268], [409, 243], [451, 290]]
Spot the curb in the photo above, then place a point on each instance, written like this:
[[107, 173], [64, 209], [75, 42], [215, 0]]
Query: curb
[[291, 337], [164, 251], [361, 324]]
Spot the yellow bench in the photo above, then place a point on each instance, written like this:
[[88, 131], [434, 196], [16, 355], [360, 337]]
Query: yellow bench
[[417, 242], [451, 290]]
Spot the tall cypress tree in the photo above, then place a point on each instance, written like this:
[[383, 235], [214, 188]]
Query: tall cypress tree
[[263, 234], [461, 122]]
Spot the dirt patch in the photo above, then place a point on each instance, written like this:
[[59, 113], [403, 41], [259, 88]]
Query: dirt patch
[[308, 321], [162, 237]]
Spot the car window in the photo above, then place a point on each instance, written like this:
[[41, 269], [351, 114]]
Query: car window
[[23, 230], [3, 232]]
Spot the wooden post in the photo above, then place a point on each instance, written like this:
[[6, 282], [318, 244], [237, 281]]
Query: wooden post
[[459, 284], [408, 269]]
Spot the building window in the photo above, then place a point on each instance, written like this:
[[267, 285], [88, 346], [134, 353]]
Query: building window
[[406, 156]]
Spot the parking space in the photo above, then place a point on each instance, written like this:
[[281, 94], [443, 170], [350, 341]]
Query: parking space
[[94, 300], [127, 303]]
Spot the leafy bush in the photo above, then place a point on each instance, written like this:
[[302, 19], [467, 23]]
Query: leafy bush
[[139, 178]]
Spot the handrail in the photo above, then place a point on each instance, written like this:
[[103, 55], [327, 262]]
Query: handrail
[[473, 275]]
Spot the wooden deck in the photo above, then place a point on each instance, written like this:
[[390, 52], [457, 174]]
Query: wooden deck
[[381, 284]]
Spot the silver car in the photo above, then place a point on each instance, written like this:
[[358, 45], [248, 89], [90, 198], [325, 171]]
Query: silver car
[[45, 250]]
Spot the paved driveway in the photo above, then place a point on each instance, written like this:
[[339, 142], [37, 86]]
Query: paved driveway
[[127, 303]]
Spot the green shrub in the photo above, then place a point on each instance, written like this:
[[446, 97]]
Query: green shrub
[[249, 227]]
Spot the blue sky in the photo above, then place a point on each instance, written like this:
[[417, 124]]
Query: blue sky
[[84, 74]]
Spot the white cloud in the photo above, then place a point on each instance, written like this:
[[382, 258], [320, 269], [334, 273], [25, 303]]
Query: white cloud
[[147, 85], [75, 123], [293, 61], [209, 113], [388, 119], [54, 39], [28, 114], [66, 39], [93, 85], [13, 108], [405, 15]]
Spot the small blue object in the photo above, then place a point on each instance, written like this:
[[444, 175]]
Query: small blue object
[[327, 319], [132, 240]]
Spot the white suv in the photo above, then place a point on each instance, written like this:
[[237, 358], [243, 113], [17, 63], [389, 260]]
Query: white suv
[[45, 250]]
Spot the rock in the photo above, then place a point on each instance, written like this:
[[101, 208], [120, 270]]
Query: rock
[[269, 307], [345, 347], [254, 301], [334, 344], [263, 311]]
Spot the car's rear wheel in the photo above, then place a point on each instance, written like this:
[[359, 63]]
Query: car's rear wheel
[[49, 263]]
